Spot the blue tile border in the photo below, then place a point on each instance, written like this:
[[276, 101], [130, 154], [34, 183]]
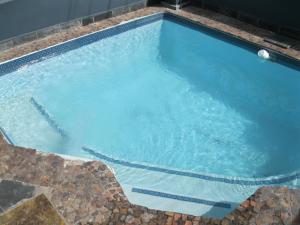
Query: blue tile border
[[253, 47], [61, 48], [15, 64], [48, 118], [7, 138], [252, 182], [181, 198]]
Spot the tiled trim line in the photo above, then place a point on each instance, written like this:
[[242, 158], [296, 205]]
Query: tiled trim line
[[181, 198], [47, 117], [161, 14], [276, 56], [15, 64], [252, 182], [7, 138]]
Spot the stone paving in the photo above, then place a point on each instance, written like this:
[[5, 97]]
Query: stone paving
[[82, 192], [88, 193], [36, 211]]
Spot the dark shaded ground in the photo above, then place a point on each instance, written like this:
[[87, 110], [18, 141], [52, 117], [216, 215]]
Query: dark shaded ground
[[11, 192], [36, 211]]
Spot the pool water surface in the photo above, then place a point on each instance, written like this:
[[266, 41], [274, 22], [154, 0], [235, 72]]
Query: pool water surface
[[167, 95]]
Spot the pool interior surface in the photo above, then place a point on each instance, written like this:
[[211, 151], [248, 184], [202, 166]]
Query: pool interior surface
[[167, 95]]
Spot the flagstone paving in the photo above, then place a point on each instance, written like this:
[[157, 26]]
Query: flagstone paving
[[88, 193]]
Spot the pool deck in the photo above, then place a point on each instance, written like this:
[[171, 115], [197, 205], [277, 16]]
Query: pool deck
[[88, 193]]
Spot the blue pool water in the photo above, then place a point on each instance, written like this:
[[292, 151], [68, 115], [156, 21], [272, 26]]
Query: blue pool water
[[163, 94]]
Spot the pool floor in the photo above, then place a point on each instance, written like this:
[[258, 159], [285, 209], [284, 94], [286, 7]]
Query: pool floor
[[168, 96]]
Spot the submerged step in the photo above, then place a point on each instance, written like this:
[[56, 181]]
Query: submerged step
[[181, 198], [238, 181], [179, 202], [41, 109]]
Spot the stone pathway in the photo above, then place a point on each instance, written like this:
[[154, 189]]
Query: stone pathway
[[88, 193]]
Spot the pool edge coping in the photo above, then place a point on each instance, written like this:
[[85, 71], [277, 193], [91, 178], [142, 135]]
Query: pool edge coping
[[283, 56], [296, 174], [79, 37]]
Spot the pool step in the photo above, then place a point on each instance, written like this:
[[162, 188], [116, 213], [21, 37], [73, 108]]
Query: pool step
[[168, 189], [181, 198], [228, 180], [183, 191], [167, 201], [34, 131], [41, 109]]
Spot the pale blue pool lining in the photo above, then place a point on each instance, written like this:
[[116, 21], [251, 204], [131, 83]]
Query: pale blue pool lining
[[41, 109], [15, 64]]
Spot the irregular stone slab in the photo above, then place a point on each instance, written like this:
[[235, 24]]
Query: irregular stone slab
[[12, 192], [268, 206], [88, 193], [32, 212]]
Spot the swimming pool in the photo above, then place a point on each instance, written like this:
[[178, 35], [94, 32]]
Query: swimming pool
[[190, 119]]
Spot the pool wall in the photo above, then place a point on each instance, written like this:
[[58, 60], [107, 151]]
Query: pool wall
[[22, 21]]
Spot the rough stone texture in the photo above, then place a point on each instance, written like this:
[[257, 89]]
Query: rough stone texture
[[269, 205], [88, 193], [36, 211], [11, 192], [199, 15], [82, 192], [15, 192], [2, 141]]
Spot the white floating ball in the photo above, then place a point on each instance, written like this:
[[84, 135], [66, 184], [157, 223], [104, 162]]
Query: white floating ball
[[263, 54]]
